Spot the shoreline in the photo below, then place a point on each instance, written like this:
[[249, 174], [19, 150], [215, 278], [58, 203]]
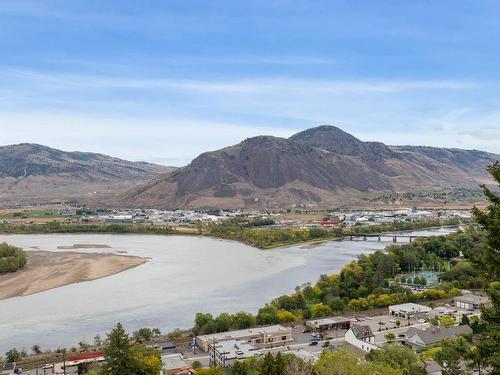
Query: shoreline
[[47, 270]]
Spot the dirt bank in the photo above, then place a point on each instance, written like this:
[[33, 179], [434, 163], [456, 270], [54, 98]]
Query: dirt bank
[[46, 270]]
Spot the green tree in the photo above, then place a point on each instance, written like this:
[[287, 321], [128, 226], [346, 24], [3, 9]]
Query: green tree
[[267, 365], [279, 364], [400, 357], [240, 368], [318, 310], [12, 355], [196, 365], [143, 334], [118, 353], [243, 320], [489, 262], [211, 371], [11, 258], [36, 349], [146, 361], [446, 321], [342, 362], [453, 353], [390, 337]]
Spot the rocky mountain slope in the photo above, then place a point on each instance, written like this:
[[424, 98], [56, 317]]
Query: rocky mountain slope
[[319, 167], [31, 172]]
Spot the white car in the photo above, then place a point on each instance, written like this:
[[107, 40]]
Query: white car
[[47, 366]]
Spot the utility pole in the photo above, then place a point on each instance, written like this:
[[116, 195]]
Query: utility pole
[[64, 361]]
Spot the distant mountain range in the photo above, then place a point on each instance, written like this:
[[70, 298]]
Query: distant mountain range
[[31, 172], [318, 167]]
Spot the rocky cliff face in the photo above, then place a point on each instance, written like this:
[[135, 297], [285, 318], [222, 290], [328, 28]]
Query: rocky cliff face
[[319, 167], [34, 172]]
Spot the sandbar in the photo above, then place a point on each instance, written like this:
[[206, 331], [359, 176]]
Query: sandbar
[[47, 270]]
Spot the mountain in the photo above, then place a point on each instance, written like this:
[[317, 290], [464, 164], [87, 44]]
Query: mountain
[[319, 167], [31, 172]]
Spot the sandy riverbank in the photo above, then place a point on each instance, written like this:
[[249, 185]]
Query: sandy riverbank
[[47, 270]]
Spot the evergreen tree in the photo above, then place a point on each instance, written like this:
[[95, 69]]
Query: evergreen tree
[[267, 366], [118, 353], [489, 262], [279, 364], [239, 368]]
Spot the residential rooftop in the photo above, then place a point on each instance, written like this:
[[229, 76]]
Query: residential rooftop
[[472, 298], [434, 335]]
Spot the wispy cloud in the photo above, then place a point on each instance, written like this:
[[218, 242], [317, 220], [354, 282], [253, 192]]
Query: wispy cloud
[[247, 85]]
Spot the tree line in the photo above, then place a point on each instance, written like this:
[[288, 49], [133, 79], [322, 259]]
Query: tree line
[[256, 234], [12, 258]]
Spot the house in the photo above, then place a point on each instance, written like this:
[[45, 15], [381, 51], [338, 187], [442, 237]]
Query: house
[[328, 324], [361, 336], [174, 364], [433, 368], [268, 336], [419, 339], [470, 302], [226, 353], [408, 310]]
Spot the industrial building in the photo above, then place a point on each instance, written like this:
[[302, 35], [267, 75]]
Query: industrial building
[[328, 324], [408, 310], [225, 353], [470, 302], [260, 337]]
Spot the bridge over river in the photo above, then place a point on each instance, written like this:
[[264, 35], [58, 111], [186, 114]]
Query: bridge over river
[[396, 237]]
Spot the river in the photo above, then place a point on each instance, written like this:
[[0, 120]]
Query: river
[[186, 274]]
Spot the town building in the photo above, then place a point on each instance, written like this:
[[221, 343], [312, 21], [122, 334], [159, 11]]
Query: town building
[[470, 302], [70, 367], [174, 364], [420, 339], [261, 337], [329, 324], [408, 310], [225, 353], [362, 337]]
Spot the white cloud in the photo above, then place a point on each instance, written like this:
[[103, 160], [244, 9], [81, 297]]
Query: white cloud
[[257, 85], [175, 141]]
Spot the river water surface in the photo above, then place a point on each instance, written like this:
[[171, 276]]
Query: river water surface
[[186, 274]]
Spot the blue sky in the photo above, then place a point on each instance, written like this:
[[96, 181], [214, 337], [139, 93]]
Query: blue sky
[[166, 80]]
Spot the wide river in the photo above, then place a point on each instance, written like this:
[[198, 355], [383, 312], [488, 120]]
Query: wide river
[[186, 274]]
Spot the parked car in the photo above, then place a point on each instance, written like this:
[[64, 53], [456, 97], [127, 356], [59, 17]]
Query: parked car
[[306, 330], [47, 366]]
